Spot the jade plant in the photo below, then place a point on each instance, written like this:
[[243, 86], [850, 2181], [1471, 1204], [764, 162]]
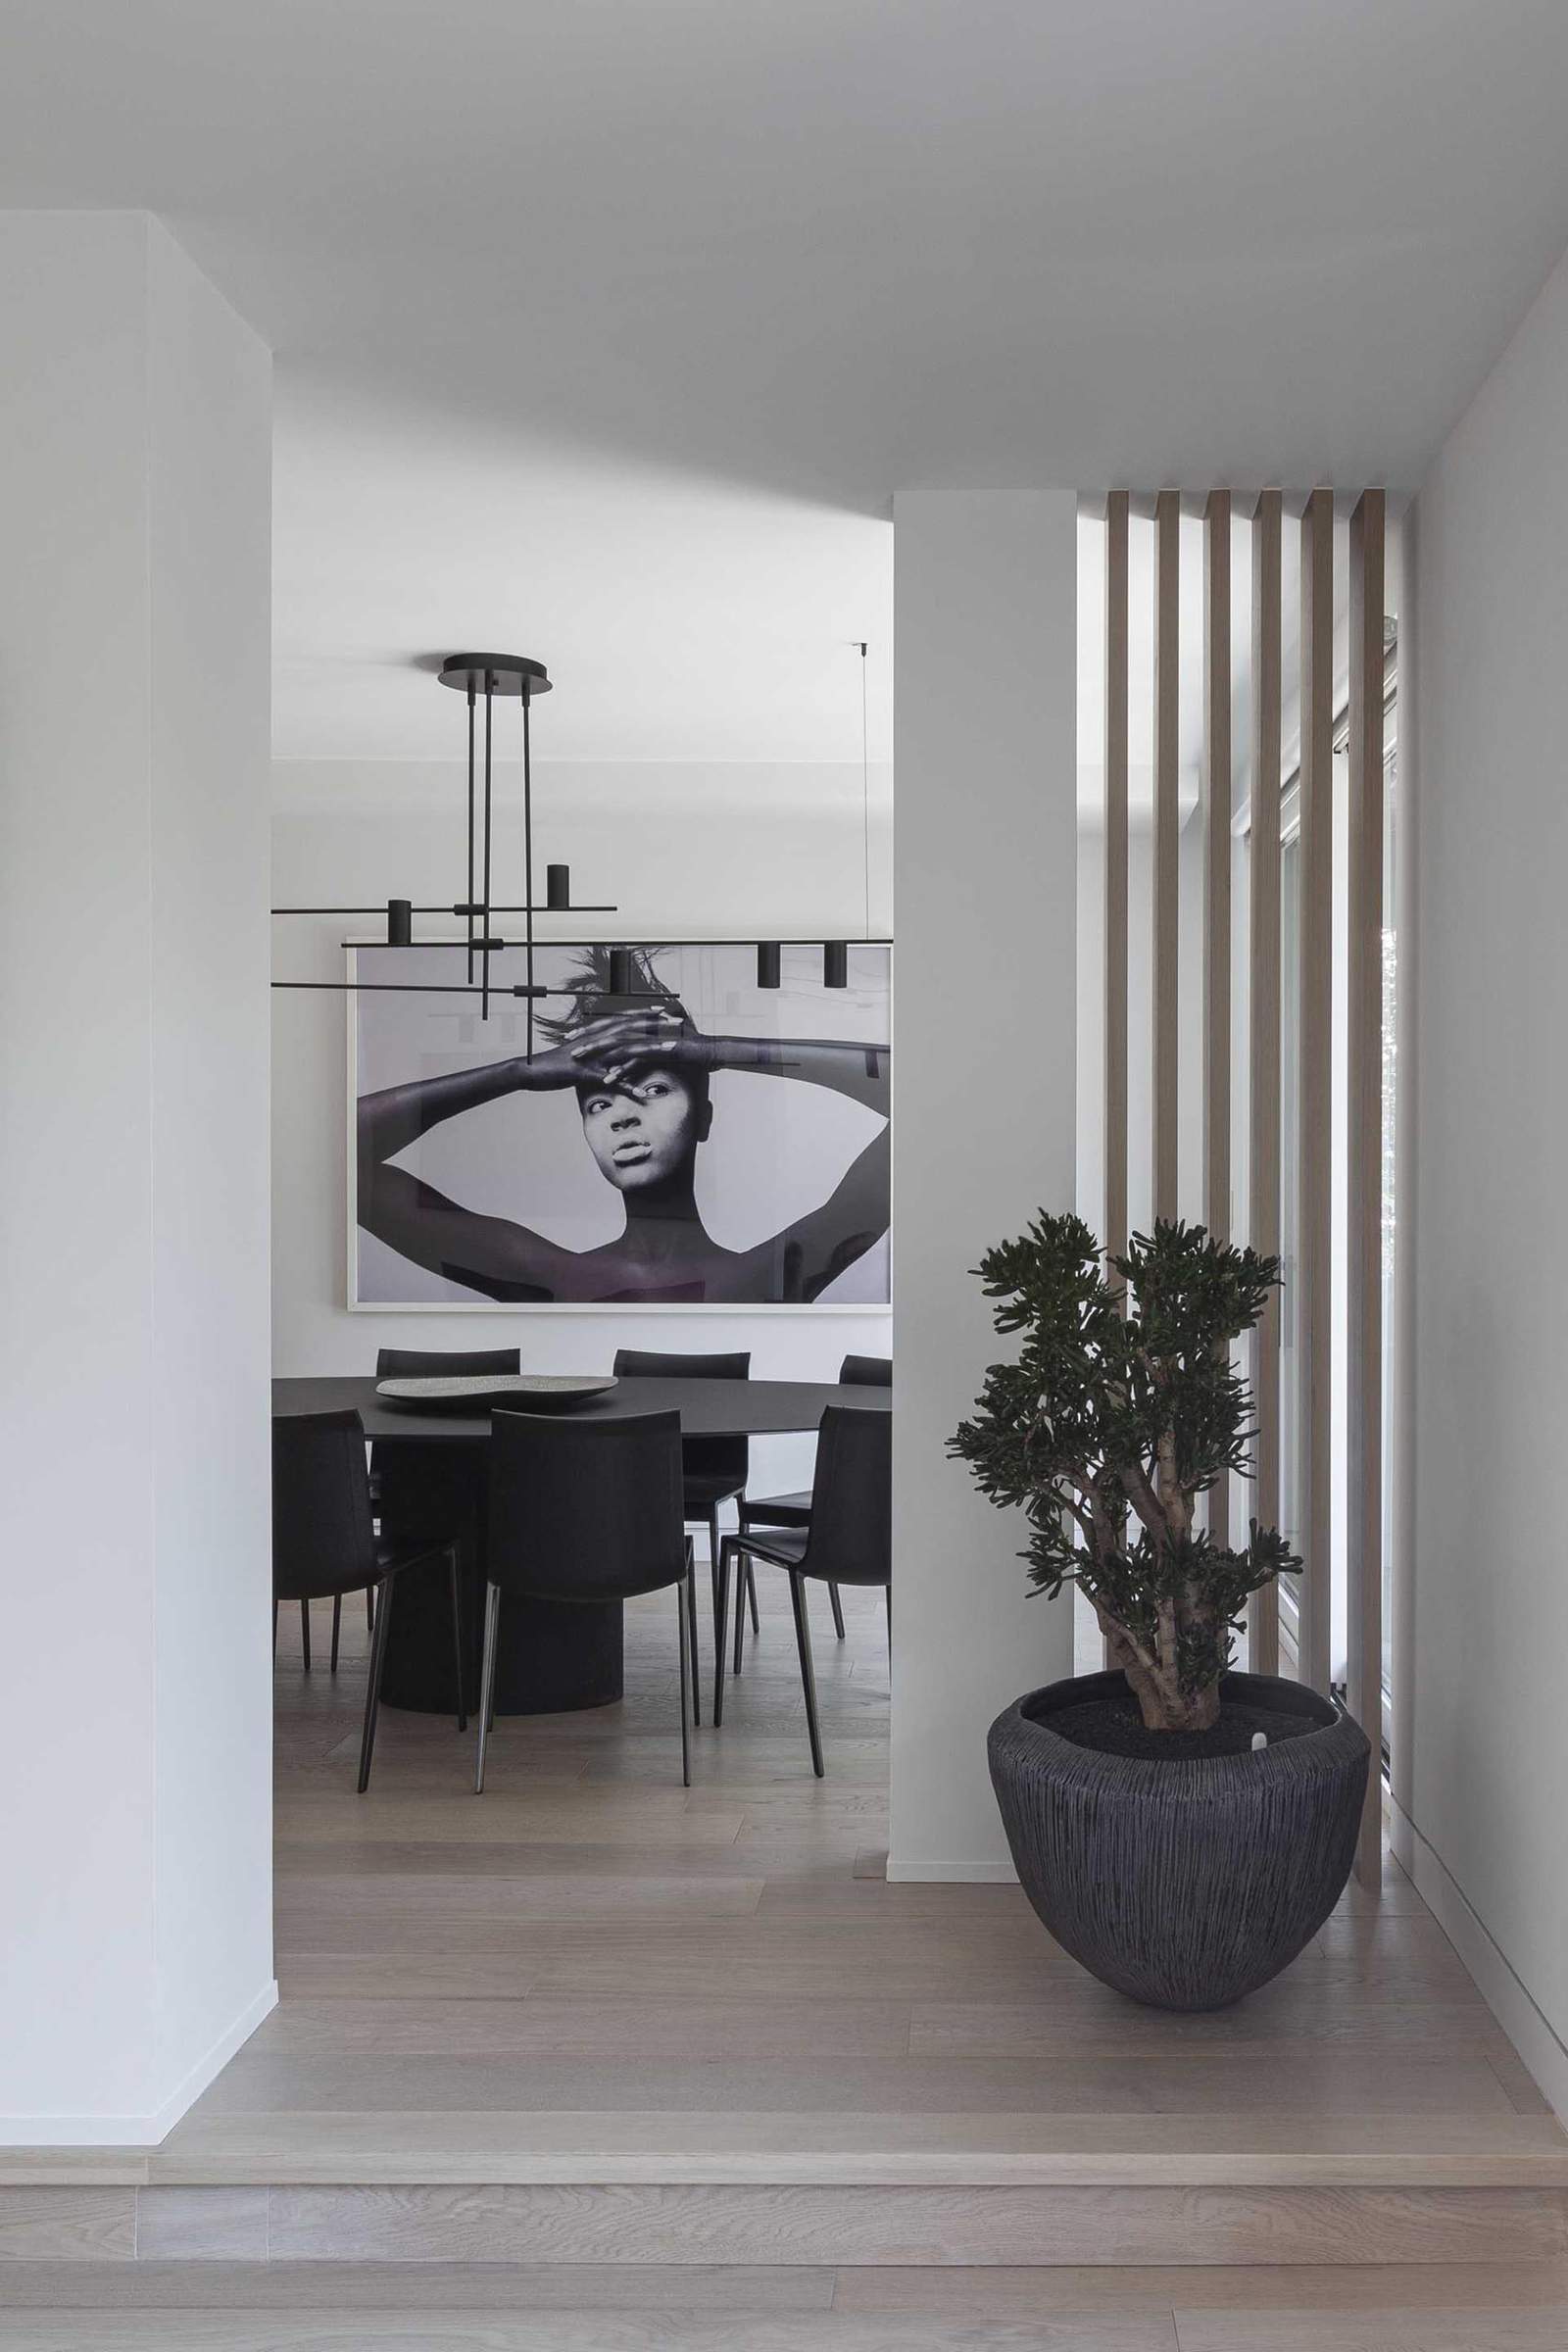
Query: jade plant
[[1122, 1409]]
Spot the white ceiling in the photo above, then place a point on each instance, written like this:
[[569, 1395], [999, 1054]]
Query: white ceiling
[[609, 328]]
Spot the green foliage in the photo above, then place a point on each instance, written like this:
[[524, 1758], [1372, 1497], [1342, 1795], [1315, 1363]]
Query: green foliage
[[1119, 1410]]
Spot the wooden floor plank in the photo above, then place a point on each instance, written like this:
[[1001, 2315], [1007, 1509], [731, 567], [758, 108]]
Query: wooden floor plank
[[446, 2286], [944, 2224], [439, 2330], [553, 2025], [1496, 2330], [1254, 2287]]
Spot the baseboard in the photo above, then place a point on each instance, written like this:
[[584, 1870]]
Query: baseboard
[[1509, 2001], [141, 2131], [955, 1874]]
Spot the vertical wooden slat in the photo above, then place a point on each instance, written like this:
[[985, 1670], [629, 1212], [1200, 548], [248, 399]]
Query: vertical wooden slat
[[1315, 1100], [1263, 1115], [1364, 1155], [1115, 1144], [1115, 1122], [1217, 903], [1167, 843]]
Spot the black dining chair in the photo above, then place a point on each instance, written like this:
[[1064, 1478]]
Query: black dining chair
[[714, 1470], [585, 1511], [324, 1541], [415, 1488], [795, 1510], [847, 1539]]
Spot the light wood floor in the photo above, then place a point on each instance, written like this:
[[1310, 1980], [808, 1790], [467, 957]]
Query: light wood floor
[[597, 2060]]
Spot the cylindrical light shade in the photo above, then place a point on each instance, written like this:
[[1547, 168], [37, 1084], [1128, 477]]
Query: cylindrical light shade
[[400, 922], [836, 964], [621, 979], [558, 887], [768, 964]]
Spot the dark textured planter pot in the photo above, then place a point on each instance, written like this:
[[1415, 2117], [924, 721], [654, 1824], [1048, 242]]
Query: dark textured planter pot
[[1189, 1884]]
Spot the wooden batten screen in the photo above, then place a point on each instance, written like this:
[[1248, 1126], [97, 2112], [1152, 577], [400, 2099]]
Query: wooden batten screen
[[1263, 1000], [1167, 848], [1241, 1117], [1217, 900], [1315, 1092], [1364, 1151], [1115, 1117]]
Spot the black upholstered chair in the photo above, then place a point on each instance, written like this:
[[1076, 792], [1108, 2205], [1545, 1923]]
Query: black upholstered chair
[[586, 1511], [415, 1490], [847, 1541], [795, 1510], [714, 1470], [324, 1540]]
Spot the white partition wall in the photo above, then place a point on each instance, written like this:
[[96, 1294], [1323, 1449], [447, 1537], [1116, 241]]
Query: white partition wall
[[984, 889], [1481, 1600], [135, 1733]]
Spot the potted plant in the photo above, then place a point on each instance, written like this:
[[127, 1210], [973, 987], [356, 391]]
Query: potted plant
[[1182, 1829]]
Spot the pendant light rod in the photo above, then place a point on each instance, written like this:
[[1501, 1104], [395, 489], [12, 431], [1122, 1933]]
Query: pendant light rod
[[528, 848], [470, 828], [409, 988], [459, 908], [484, 958], [643, 940], [865, 790]]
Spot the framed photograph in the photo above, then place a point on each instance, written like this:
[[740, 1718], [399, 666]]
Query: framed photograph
[[699, 1142]]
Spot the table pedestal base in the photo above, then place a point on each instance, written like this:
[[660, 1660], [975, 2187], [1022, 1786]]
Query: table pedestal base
[[552, 1656]]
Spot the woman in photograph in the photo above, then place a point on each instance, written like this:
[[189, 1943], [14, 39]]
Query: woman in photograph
[[641, 1071]]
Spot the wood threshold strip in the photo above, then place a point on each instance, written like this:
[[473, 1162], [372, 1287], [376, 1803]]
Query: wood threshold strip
[[380, 2147]]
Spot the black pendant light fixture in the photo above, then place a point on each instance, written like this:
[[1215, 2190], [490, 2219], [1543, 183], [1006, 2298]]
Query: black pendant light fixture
[[483, 679]]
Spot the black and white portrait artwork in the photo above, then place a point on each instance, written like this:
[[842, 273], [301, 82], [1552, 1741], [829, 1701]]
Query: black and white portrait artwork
[[699, 1141]]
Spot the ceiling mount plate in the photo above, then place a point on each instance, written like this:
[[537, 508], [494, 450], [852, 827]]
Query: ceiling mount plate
[[505, 673]]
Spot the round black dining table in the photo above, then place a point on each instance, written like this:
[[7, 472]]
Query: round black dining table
[[552, 1656]]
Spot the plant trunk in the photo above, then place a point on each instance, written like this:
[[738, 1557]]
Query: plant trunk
[[1156, 1684], [1166, 1707]]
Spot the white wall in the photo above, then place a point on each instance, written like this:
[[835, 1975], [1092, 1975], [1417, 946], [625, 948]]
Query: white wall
[[134, 1737], [985, 871], [683, 851], [1483, 1756]]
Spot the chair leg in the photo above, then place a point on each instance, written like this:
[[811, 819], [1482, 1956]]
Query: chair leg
[[305, 1632], [887, 1595], [743, 1571], [275, 1633], [369, 1608], [688, 1592], [456, 1640], [725, 1549], [373, 1693], [337, 1625], [751, 1595], [684, 1616], [838, 1610], [802, 1639], [715, 1545], [487, 1680]]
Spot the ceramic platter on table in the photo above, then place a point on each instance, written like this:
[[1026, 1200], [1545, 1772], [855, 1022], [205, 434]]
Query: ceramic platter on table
[[471, 1392]]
